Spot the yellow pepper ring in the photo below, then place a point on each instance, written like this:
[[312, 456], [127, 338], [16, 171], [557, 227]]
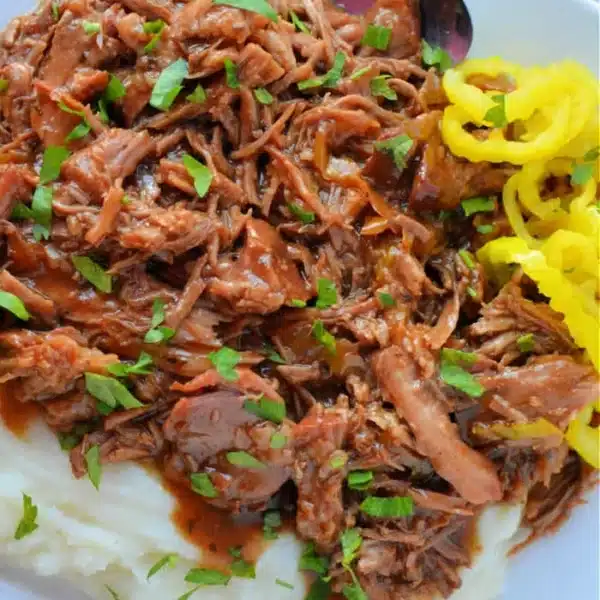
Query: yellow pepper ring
[[546, 145], [529, 184], [583, 438]]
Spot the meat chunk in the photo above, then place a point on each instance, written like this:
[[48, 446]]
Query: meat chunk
[[442, 180], [418, 401], [204, 429], [510, 316], [320, 508], [114, 155], [16, 185], [257, 68], [401, 17], [64, 412], [264, 277], [39, 366], [553, 387]]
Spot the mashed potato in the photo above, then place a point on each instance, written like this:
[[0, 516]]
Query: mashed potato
[[114, 536]]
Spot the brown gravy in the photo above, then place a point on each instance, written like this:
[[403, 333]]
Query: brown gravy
[[16, 416]]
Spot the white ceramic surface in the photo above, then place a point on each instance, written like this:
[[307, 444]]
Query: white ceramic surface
[[565, 566]]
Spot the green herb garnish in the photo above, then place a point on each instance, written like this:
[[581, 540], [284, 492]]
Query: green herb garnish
[[263, 96], [231, 76], [27, 525], [155, 28], [265, 408], [241, 458], [338, 460], [434, 56], [297, 303], [198, 96], [458, 378], [14, 304], [93, 272], [262, 7], [388, 508], [278, 441], [360, 480], [200, 173], [380, 87], [526, 343], [41, 211], [458, 357], [158, 334], [169, 84], [398, 147], [387, 300], [497, 114], [94, 468], [319, 590], [330, 79], [467, 258], [207, 577], [143, 366], [271, 521], [110, 391], [54, 156], [284, 584], [326, 339], [203, 485], [169, 561], [311, 561], [377, 37], [351, 542], [243, 569], [485, 229], [478, 204], [359, 73], [225, 360], [304, 216], [300, 25], [326, 293], [91, 28]]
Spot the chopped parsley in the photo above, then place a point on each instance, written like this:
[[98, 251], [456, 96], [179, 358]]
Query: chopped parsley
[[354, 590], [434, 56], [207, 577], [158, 333], [326, 339], [297, 303], [330, 79], [467, 258], [200, 173], [263, 96], [53, 158], [155, 28], [231, 75], [113, 593], [485, 229], [262, 7], [168, 561], [3, 84], [526, 343], [326, 293], [387, 508], [458, 357], [284, 584], [311, 561], [265, 408], [203, 485], [241, 458], [143, 366], [360, 480], [14, 304], [338, 460], [110, 391], [380, 87], [93, 272], [351, 541], [225, 360], [478, 204], [319, 590], [243, 569], [273, 355], [41, 212], [28, 523], [377, 37], [583, 172], [91, 28], [278, 441], [497, 114], [198, 96], [94, 468], [169, 84], [300, 25], [115, 90], [271, 522], [359, 73], [304, 216], [456, 377], [398, 147], [387, 300], [54, 8]]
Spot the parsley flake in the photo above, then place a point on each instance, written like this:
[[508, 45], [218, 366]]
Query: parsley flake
[[262, 7], [168, 561], [231, 75], [327, 293], [330, 79], [300, 25], [241, 458], [526, 343], [304, 216], [497, 114], [265, 408], [360, 480], [91, 28], [169, 84], [263, 96], [14, 304], [478, 204], [207, 577], [94, 468], [198, 96], [203, 485], [27, 525], [387, 508], [53, 158], [110, 391], [326, 339], [398, 147], [434, 56], [143, 366], [93, 272], [311, 561], [225, 360], [351, 541], [377, 37], [200, 173]]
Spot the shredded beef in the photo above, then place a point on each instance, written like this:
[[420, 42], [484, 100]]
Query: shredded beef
[[289, 287]]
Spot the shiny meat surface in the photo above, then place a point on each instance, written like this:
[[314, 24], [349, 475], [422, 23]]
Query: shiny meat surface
[[240, 251]]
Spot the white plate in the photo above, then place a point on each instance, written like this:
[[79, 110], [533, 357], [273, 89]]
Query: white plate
[[566, 565]]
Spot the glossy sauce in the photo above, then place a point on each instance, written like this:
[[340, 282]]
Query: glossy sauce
[[213, 530], [16, 416]]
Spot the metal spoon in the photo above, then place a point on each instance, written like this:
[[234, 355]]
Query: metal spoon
[[447, 24], [444, 23]]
